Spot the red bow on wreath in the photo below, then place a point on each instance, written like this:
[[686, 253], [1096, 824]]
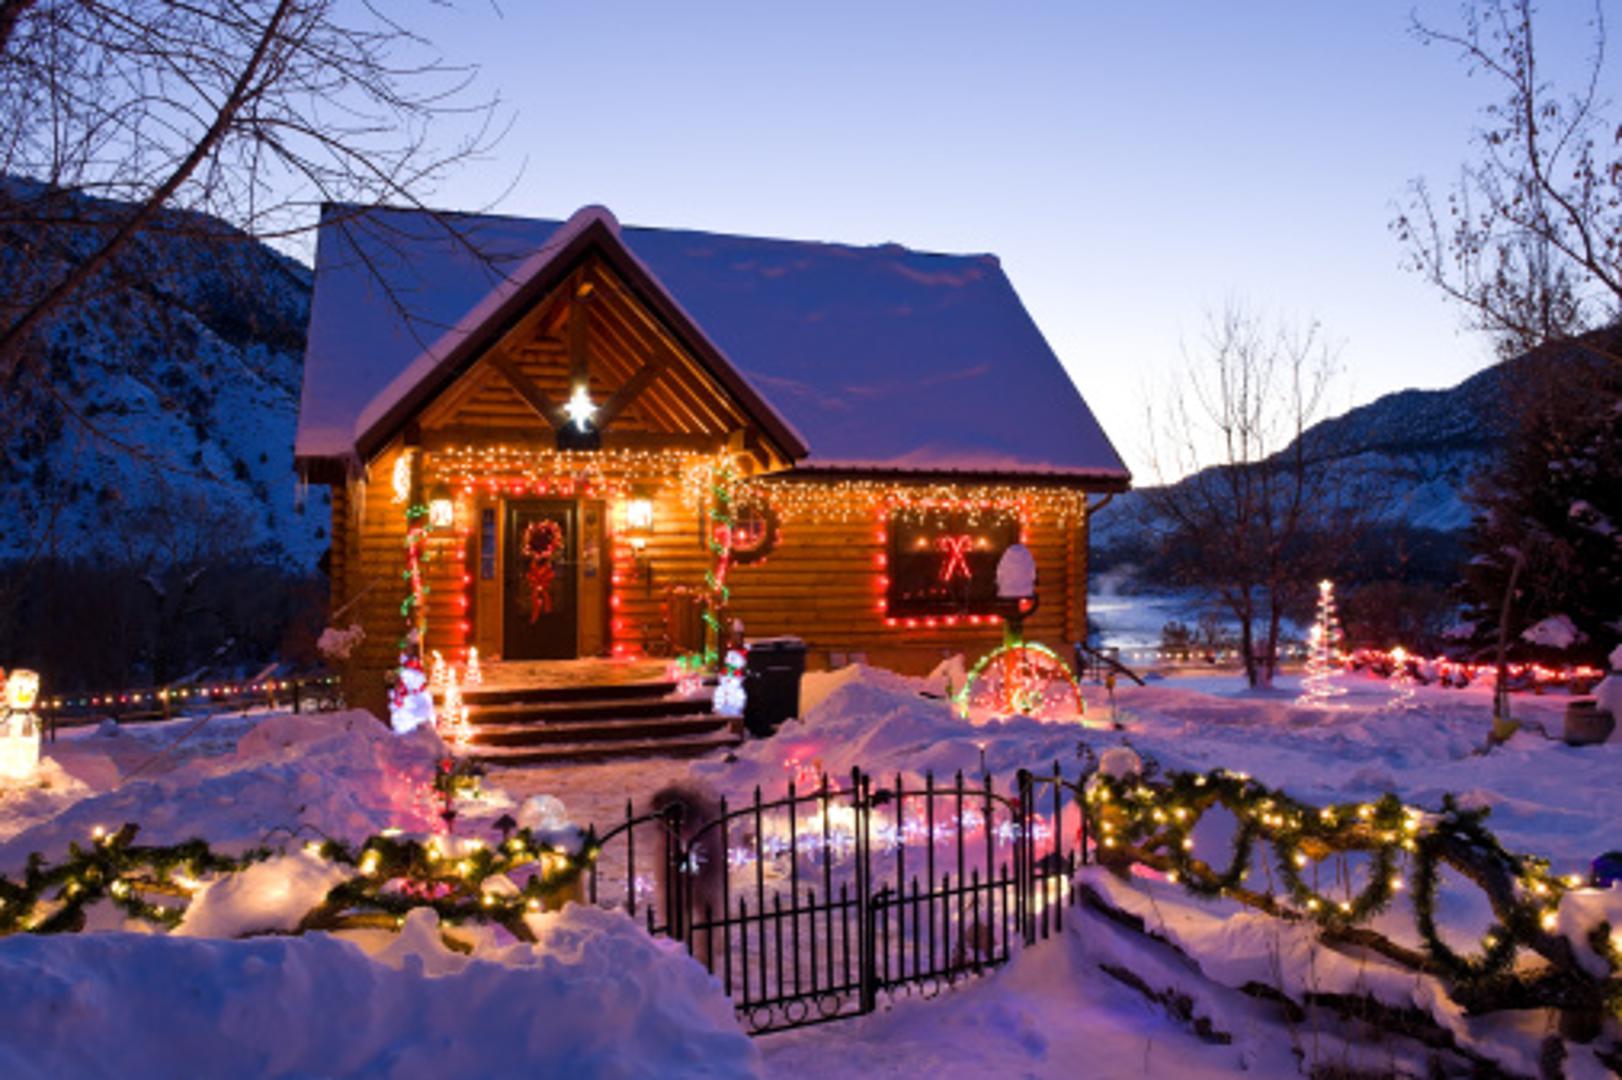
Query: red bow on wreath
[[541, 543]]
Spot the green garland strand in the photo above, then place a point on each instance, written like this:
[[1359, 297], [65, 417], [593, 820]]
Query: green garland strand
[[393, 876], [1157, 818], [1503, 941], [718, 595]]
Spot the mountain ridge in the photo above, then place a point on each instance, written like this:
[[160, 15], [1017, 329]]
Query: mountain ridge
[[162, 403]]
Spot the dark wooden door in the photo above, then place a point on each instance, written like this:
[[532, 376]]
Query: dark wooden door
[[539, 619]]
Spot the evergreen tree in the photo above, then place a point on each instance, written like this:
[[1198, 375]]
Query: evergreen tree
[[1553, 504]]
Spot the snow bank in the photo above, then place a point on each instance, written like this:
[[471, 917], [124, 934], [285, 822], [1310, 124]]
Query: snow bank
[[340, 774], [266, 897], [596, 997], [49, 791], [882, 722]]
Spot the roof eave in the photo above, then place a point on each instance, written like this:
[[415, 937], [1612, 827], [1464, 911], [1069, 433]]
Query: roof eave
[[1114, 481]]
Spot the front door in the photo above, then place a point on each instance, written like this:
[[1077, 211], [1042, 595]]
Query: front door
[[538, 619]]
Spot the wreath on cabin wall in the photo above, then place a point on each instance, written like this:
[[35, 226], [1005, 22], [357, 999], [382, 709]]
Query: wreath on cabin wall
[[541, 544], [754, 532]]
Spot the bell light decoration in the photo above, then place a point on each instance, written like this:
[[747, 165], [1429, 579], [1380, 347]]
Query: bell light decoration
[[19, 727]]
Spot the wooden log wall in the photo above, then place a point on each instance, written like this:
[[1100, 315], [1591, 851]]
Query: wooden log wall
[[369, 542], [651, 590], [824, 584]]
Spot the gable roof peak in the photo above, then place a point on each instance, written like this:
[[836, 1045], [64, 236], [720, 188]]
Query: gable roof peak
[[590, 213]]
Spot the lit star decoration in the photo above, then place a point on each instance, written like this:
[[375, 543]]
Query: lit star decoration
[[579, 408]]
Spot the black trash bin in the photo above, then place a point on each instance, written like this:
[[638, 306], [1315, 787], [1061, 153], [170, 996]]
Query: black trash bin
[[772, 682]]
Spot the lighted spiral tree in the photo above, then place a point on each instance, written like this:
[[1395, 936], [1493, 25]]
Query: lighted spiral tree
[[1324, 643]]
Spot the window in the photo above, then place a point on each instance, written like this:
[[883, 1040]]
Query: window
[[487, 544], [944, 562]]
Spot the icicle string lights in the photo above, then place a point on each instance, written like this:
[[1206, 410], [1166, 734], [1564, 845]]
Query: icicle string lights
[[615, 472]]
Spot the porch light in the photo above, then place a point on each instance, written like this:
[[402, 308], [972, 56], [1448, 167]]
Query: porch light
[[639, 521], [638, 527], [441, 508]]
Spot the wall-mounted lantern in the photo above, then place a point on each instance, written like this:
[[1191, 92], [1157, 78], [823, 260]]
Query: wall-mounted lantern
[[638, 528], [441, 508]]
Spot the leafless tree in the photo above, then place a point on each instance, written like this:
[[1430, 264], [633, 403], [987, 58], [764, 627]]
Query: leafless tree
[[134, 118], [1529, 239], [1529, 242], [1256, 516]]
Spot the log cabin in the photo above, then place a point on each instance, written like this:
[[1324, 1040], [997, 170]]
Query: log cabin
[[554, 440]]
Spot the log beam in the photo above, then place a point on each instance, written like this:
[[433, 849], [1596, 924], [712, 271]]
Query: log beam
[[532, 395], [579, 335], [631, 389]]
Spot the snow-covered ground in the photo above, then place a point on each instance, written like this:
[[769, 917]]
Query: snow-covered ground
[[598, 995]]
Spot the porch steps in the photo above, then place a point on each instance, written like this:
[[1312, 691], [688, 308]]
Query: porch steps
[[516, 725], [585, 710], [595, 750], [584, 692]]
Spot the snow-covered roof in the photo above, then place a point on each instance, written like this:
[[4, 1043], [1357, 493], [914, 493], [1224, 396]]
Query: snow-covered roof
[[878, 358]]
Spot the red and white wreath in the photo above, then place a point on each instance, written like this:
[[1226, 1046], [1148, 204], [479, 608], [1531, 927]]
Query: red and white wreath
[[541, 544]]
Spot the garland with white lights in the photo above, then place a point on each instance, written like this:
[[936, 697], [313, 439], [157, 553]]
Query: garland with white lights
[[1516, 925], [52, 899], [394, 875], [1151, 821]]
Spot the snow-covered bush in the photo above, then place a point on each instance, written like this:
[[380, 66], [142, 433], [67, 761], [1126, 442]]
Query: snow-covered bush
[[337, 645]]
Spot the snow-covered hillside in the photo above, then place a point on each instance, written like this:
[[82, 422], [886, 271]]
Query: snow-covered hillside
[[1413, 452], [162, 402]]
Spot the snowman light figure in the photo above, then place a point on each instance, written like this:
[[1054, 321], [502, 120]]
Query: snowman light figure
[[730, 697], [411, 703], [19, 727]]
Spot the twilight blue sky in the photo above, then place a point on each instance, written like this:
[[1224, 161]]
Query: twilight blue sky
[[1133, 164]]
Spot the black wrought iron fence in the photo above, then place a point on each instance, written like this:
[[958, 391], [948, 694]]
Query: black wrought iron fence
[[822, 903]]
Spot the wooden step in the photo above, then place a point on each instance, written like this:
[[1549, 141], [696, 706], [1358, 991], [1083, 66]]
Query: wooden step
[[597, 750], [585, 711], [624, 730], [506, 695]]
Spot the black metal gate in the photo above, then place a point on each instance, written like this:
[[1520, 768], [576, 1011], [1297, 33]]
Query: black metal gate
[[822, 903]]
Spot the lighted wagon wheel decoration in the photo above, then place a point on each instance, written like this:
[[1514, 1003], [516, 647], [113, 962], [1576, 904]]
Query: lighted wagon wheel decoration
[[540, 545], [1021, 679]]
